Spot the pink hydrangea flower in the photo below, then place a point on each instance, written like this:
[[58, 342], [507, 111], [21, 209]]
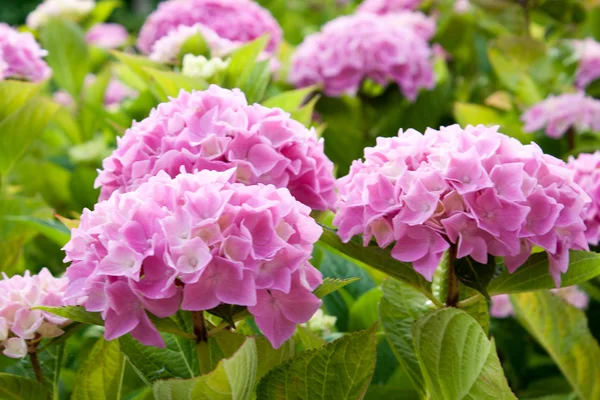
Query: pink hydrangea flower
[[557, 114], [587, 175], [21, 56], [502, 307], [474, 188], [235, 20], [383, 7], [588, 52], [107, 36], [193, 242], [19, 324], [349, 49], [216, 129]]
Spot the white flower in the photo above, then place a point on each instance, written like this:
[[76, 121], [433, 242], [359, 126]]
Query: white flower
[[201, 67], [321, 322], [70, 9], [15, 347]]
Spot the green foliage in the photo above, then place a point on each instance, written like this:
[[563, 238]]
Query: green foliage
[[14, 387], [475, 275], [331, 285], [100, 377], [340, 370]]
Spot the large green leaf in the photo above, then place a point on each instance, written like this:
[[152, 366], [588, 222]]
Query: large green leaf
[[363, 313], [457, 359], [242, 62], [21, 128], [340, 370], [533, 275], [14, 387], [233, 379], [67, 54], [15, 94], [563, 331], [289, 101], [171, 83], [331, 285], [52, 229], [254, 84], [400, 307], [377, 258], [100, 377]]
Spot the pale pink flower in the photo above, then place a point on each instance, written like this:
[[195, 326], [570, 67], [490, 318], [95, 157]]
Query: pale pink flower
[[74, 10], [588, 52], [21, 56], [587, 175], [475, 189], [502, 307], [382, 7], [107, 36]]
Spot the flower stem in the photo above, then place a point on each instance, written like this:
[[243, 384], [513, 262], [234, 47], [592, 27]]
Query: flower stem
[[571, 139], [471, 300], [453, 285], [35, 364], [202, 350]]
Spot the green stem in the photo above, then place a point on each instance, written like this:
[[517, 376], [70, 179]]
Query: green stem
[[202, 350], [433, 299], [471, 300], [453, 285]]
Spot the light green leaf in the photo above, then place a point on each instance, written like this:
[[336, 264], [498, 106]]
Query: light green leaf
[[171, 83], [340, 370], [21, 128], [93, 99], [136, 64], [195, 45], [52, 229], [331, 285], [480, 309], [15, 94], [102, 11], [308, 338], [233, 378], [14, 387], [67, 54], [364, 311], [101, 375], [473, 114], [400, 307], [242, 62], [457, 359], [563, 331], [305, 114], [254, 84], [289, 101], [533, 275], [377, 258]]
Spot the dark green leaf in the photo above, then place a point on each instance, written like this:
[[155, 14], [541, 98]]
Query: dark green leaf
[[475, 275]]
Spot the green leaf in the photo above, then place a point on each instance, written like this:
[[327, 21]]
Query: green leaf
[[93, 99], [21, 128], [377, 258], [563, 332], [100, 377], [67, 54], [15, 94], [363, 312], [305, 114], [137, 65], [195, 45], [480, 309], [289, 101], [233, 378], [254, 83], [331, 285], [14, 387], [171, 83], [475, 275], [227, 312], [242, 61], [533, 274], [400, 307], [308, 339], [457, 359], [340, 370], [101, 12], [52, 229]]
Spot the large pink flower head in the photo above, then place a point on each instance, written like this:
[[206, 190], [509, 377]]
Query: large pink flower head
[[21, 326], [107, 36], [236, 20], [502, 307], [382, 7], [587, 175], [21, 56], [557, 114], [474, 188], [588, 52], [350, 49], [216, 129], [194, 242]]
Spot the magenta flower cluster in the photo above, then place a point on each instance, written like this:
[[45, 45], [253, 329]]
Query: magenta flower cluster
[[557, 114], [502, 307], [216, 129], [588, 52], [21, 56], [19, 324], [350, 49], [473, 188], [107, 36], [236, 20], [194, 242], [383, 7], [587, 175]]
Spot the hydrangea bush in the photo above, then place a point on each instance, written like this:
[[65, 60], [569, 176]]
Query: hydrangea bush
[[269, 199]]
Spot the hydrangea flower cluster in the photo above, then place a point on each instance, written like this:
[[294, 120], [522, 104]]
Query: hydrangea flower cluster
[[21, 56], [352, 48], [216, 129], [107, 36], [557, 114], [19, 324], [383, 7], [472, 188], [74, 10], [587, 175], [235, 20], [195, 241], [588, 52], [502, 307]]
